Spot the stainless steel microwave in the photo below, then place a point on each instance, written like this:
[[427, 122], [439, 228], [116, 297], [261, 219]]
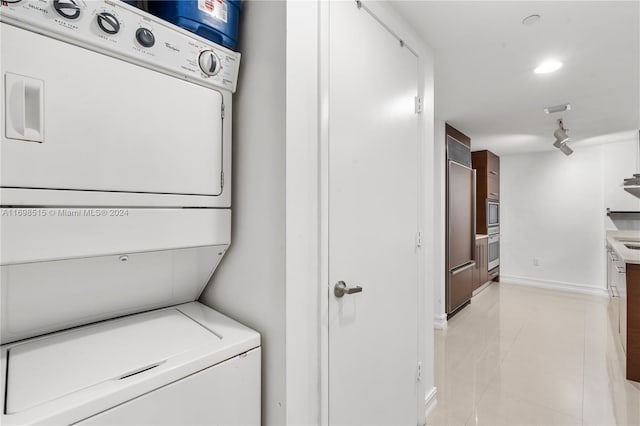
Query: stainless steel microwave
[[493, 213]]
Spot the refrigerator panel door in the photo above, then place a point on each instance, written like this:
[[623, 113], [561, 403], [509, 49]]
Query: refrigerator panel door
[[461, 210]]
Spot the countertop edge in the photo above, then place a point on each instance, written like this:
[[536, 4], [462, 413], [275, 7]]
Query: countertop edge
[[627, 255]]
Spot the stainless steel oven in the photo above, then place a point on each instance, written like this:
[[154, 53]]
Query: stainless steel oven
[[493, 213], [494, 247]]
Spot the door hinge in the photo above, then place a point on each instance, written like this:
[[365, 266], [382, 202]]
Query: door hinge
[[419, 377], [419, 239], [222, 112], [418, 104], [221, 179]]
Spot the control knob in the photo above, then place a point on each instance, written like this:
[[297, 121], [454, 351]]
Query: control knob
[[145, 37], [108, 23], [67, 8], [209, 63]]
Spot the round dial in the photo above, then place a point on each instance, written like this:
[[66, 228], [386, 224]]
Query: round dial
[[145, 37], [108, 23], [67, 8], [209, 63]]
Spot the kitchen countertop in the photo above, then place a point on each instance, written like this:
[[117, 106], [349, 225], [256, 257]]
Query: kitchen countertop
[[617, 240], [481, 236]]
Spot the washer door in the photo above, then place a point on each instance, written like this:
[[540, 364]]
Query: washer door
[[133, 130]]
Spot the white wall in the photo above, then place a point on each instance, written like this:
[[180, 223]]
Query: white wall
[[249, 285], [303, 274], [439, 223], [553, 209]]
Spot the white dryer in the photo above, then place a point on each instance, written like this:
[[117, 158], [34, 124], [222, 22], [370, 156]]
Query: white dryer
[[116, 210]]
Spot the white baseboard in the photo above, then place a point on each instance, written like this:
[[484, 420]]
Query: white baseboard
[[554, 285], [430, 401], [440, 322]]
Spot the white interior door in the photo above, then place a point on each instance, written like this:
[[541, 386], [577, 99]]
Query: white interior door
[[373, 221]]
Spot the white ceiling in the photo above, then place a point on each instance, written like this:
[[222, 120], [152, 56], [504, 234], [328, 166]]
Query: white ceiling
[[485, 56]]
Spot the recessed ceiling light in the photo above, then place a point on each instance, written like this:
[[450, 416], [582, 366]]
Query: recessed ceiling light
[[531, 19], [547, 67]]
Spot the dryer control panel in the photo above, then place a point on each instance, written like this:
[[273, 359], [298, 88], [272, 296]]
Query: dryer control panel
[[116, 29]]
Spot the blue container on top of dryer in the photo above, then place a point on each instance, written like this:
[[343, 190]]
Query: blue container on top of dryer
[[215, 20]]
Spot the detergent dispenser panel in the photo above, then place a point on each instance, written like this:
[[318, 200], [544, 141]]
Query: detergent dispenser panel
[[117, 29]]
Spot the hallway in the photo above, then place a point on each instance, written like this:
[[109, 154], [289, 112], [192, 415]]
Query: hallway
[[522, 355]]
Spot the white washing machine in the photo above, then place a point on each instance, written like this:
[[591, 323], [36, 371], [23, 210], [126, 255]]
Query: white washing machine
[[116, 210]]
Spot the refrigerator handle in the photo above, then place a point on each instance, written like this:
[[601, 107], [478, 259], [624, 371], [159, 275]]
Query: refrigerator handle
[[462, 268], [473, 225]]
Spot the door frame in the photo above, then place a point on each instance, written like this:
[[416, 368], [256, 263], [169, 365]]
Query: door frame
[[307, 177]]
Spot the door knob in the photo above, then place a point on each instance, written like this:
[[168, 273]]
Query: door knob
[[341, 289]]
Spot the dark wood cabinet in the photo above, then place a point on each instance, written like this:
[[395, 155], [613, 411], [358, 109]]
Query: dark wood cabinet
[[484, 260], [631, 318], [476, 268], [493, 188], [460, 286], [487, 166], [492, 174], [480, 271]]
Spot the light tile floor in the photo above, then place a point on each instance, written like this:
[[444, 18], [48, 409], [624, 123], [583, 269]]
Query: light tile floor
[[526, 356]]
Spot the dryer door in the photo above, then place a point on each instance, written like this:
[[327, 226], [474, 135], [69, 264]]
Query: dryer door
[[132, 130]]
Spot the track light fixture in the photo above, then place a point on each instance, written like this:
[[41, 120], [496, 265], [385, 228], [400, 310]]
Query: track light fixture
[[557, 108], [562, 138]]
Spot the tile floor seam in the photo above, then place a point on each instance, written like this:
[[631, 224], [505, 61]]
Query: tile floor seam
[[495, 372], [532, 402], [527, 401], [482, 393]]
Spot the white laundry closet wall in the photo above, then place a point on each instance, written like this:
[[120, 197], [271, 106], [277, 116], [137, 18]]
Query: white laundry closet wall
[[249, 285]]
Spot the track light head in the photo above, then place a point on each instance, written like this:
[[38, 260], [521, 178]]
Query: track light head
[[562, 138], [561, 135], [565, 149]]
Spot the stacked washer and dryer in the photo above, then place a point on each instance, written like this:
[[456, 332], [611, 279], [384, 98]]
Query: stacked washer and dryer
[[116, 211]]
